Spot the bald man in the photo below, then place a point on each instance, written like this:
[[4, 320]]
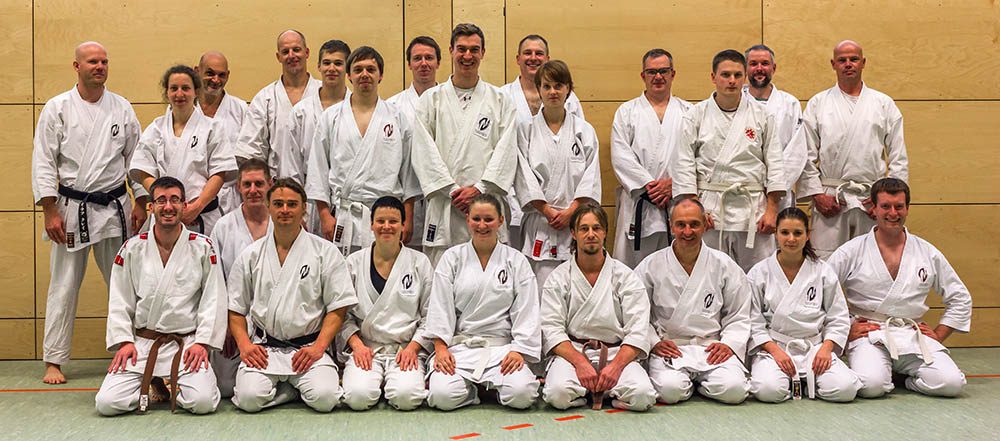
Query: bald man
[[265, 126], [217, 104], [82, 147], [856, 136]]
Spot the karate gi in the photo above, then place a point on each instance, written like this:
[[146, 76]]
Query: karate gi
[[84, 147], [896, 306], [230, 113], [851, 141], [516, 93], [386, 322], [289, 301], [799, 317], [361, 168], [230, 237], [299, 137], [200, 152], [555, 168], [457, 147], [615, 310], [643, 149], [185, 296], [482, 315], [731, 160], [710, 305], [265, 129], [406, 102], [787, 112]]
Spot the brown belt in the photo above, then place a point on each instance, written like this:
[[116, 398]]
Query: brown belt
[[598, 397], [159, 339]]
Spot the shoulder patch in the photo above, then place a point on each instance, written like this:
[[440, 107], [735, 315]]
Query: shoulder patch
[[192, 236], [119, 260], [143, 236]]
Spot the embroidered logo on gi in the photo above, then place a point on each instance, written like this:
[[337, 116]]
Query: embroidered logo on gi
[[119, 260], [431, 230], [407, 281], [811, 293], [143, 236], [388, 130], [484, 123], [303, 272], [751, 134], [114, 130], [213, 259], [922, 274], [576, 149], [502, 276], [708, 300], [192, 236], [194, 141]]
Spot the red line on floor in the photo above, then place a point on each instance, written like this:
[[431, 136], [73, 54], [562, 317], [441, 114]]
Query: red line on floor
[[982, 376], [614, 410], [660, 404], [571, 417], [467, 435], [519, 426], [49, 390]]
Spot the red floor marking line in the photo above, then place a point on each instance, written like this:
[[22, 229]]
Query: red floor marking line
[[614, 410], [49, 390], [571, 417], [982, 376], [519, 426], [467, 435]]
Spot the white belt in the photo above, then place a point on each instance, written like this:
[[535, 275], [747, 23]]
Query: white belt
[[736, 188], [480, 342], [346, 211], [805, 345], [890, 342], [700, 341], [842, 186]]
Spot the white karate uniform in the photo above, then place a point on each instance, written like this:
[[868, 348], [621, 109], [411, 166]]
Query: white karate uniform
[[643, 149], [406, 102], [850, 137], [482, 315], [230, 237], [387, 322], [289, 301], [731, 160], [615, 310], [896, 305], [264, 132], [516, 93], [186, 295], [558, 169], [799, 317], [456, 146], [787, 113], [200, 152], [361, 168], [230, 113], [87, 147], [711, 305]]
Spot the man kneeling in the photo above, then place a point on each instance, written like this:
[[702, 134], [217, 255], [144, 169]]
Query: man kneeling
[[581, 328], [167, 292], [295, 288]]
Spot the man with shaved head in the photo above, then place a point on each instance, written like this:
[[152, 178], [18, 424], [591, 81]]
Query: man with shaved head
[[856, 136], [217, 104], [82, 147]]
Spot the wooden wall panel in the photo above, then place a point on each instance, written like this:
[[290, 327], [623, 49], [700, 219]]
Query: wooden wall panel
[[601, 115], [17, 276], [93, 300], [433, 19], [489, 16], [244, 30], [19, 339], [958, 39], [15, 155], [603, 42], [952, 148], [88, 338], [984, 331], [15, 20]]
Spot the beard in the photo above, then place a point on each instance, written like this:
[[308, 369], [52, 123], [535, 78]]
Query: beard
[[759, 84]]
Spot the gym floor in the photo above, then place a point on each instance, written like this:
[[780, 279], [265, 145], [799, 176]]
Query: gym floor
[[30, 409]]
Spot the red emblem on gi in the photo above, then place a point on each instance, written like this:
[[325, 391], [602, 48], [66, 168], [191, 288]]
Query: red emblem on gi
[[388, 130], [119, 261], [537, 250], [212, 258], [750, 133]]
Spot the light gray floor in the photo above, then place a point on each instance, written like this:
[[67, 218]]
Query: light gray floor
[[70, 415]]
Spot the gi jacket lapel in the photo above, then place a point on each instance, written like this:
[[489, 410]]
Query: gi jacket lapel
[[794, 295], [854, 122], [693, 294], [907, 266], [469, 121], [166, 280], [595, 301], [98, 134], [739, 130], [377, 305]]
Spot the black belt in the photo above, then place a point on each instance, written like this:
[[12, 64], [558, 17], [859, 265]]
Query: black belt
[[637, 237], [213, 205], [297, 342], [100, 198]]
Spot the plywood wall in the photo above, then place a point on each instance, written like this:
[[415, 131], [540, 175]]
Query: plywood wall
[[939, 75]]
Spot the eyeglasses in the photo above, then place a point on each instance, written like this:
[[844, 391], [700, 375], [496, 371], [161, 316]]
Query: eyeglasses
[[162, 200], [653, 72]]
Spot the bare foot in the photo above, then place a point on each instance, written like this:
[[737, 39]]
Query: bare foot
[[53, 375], [158, 392]]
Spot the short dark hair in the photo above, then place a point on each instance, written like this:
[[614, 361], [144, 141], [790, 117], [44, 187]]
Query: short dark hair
[[758, 47], [252, 164], [288, 183], [365, 53], [728, 55], [486, 198], [389, 202], [466, 30], [555, 71], [656, 53], [589, 207], [334, 46], [794, 213], [183, 70], [166, 182], [426, 41], [890, 186], [533, 37]]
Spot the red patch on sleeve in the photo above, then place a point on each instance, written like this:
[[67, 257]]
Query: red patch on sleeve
[[119, 260], [213, 259]]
